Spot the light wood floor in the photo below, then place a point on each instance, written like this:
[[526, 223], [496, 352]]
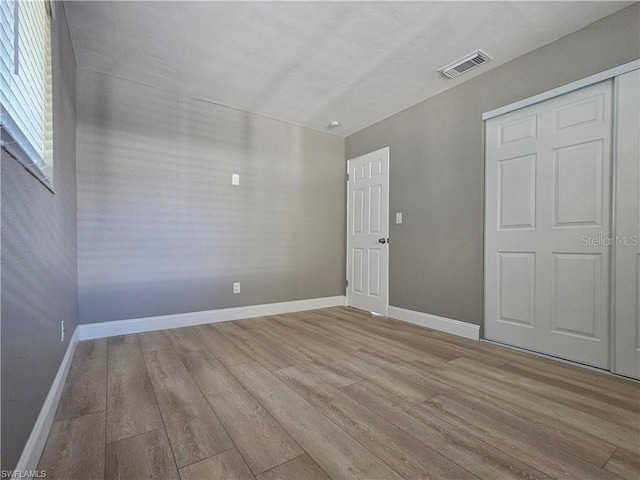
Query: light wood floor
[[335, 393]]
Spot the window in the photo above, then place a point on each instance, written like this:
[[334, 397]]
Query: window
[[25, 85]]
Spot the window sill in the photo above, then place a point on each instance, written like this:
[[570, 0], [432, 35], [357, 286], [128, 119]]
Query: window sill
[[30, 167]]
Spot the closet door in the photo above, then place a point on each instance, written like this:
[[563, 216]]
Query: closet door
[[548, 203], [627, 221]]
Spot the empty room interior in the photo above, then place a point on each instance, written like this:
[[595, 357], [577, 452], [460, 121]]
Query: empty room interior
[[320, 240]]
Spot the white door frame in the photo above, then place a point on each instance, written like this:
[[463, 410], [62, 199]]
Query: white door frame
[[348, 213], [570, 87]]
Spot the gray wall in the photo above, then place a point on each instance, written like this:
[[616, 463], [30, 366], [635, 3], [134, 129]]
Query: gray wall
[[39, 273], [436, 166], [161, 230]]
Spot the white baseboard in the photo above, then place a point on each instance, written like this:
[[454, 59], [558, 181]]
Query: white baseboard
[[40, 432], [163, 322], [448, 325]]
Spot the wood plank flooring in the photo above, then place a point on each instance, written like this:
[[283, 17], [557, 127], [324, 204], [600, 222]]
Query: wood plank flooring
[[335, 394]]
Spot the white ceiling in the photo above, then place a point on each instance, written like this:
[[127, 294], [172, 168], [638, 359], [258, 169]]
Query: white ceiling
[[309, 63]]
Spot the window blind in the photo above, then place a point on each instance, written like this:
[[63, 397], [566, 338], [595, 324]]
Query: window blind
[[25, 81]]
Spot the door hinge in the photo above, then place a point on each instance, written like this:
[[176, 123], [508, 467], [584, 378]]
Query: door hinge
[[347, 177], [347, 284]]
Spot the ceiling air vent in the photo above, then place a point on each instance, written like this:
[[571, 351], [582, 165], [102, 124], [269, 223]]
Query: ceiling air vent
[[465, 64]]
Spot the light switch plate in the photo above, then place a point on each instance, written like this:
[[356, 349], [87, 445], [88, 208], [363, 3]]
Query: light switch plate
[[235, 179], [399, 218], [236, 287]]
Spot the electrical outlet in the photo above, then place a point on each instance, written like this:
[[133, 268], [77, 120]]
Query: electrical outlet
[[399, 218], [62, 331], [236, 287], [235, 179]]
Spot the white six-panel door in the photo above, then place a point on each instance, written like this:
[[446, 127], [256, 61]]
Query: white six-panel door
[[627, 221], [548, 203], [368, 232]]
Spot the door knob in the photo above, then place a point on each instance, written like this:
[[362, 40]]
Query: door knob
[[382, 240]]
